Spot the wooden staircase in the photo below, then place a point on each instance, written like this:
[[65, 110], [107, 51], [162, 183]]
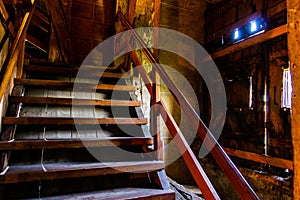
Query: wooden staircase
[[61, 142], [71, 136]]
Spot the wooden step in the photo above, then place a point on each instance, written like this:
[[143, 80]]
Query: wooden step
[[121, 193], [38, 172], [90, 72], [71, 121], [70, 66], [72, 102], [73, 144], [41, 21], [50, 84], [37, 43]]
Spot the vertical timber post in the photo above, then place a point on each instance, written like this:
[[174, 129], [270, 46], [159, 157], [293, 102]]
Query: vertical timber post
[[131, 11], [157, 4], [156, 85], [293, 9], [20, 62], [155, 115]]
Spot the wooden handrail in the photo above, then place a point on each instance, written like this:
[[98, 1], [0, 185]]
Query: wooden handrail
[[188, 155], [10, 61], [233, 174]]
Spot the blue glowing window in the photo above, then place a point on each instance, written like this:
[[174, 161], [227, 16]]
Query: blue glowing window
[[236, 34], [253, 27], [287, 89]]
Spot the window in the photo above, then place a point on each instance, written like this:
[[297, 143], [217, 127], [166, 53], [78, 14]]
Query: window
[[287, 89], [253, 26], [250, 92], [236, 34]]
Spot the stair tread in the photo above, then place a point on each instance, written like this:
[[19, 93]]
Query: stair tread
[[71, 121], [51, 171], [90, 72], [72, 101], [36, 42], [70, 85], [120, 193], [73, 143], [64, 65]]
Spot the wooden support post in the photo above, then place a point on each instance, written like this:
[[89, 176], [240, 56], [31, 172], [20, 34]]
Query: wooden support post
[[117, 5], [131, 11], [155, 115], [293, 8], [157, 4], [21, 59]]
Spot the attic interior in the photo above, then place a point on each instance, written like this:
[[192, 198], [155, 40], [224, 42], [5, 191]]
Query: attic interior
[[209, 100]]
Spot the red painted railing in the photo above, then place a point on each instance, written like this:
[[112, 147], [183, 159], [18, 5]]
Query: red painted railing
[[235, 177]]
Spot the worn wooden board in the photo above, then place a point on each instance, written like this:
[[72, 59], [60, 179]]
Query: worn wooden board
[[70, 85], [28, 173], [293, 7], [123, 193], [72, 144]]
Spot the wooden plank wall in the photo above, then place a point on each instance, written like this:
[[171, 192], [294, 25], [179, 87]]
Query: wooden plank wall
[[89, 27], [237, 67], [244, 128]]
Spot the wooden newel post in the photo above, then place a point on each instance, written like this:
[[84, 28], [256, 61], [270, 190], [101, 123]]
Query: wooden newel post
[[155, 115]]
